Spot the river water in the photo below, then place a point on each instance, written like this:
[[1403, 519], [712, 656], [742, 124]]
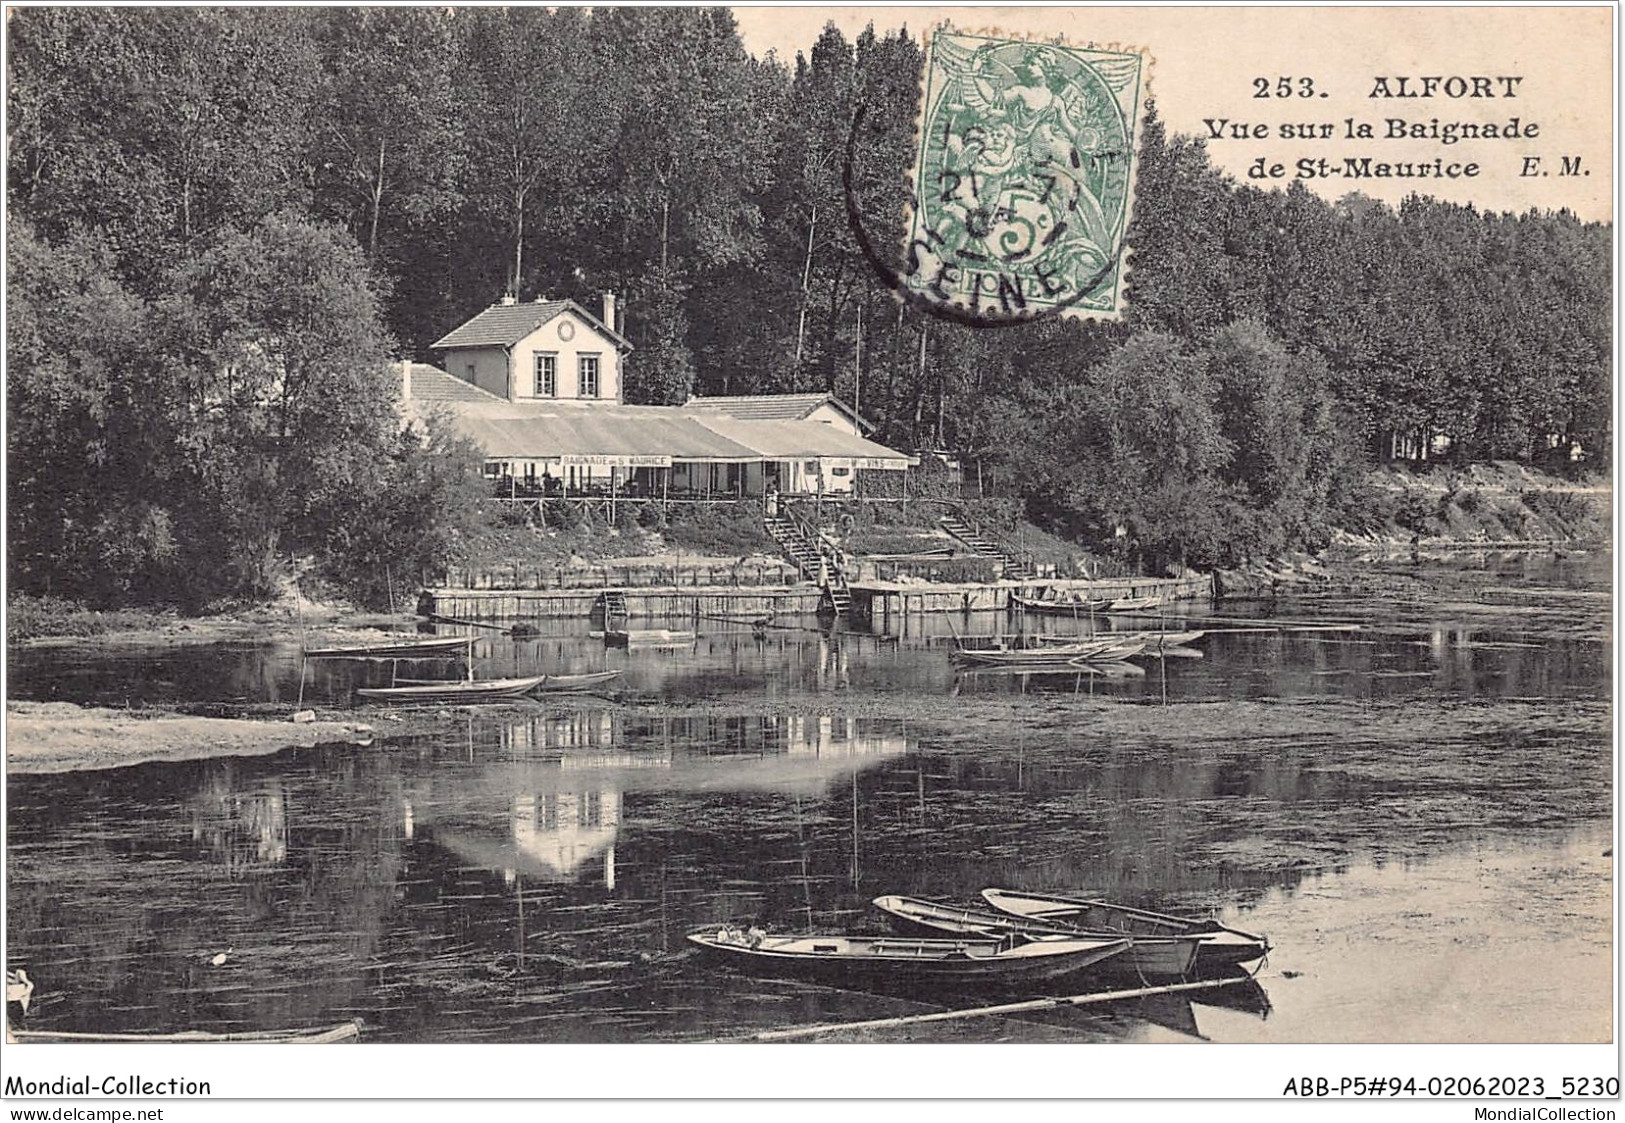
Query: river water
[[1400, 808]]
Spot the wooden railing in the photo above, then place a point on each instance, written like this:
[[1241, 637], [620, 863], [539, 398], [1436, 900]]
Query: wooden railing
[[604, 575], [608, 508]]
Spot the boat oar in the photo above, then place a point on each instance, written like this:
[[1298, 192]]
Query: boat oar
[[993, 1011]]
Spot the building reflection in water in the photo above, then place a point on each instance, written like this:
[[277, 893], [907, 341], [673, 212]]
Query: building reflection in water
[[562, 831], [565, 779], [245, 829]]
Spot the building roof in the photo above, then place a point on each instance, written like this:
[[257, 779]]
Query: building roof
[[517, 431], [543, 431], [774, 407], [503, 325], [799, 440], [425, 383]]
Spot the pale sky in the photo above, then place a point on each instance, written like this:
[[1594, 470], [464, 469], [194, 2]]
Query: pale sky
[[1205, 63]]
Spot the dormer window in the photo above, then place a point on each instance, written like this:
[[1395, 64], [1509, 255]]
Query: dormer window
[[588, 376]]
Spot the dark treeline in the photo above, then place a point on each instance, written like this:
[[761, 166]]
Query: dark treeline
[[225, 222]]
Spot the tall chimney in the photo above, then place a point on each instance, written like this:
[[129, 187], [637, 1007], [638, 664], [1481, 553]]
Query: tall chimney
[[609, 311], [508, 299]]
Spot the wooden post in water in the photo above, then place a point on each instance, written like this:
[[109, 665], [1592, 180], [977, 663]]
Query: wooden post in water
[[801, 841], [665, 942], [304, 644], [854, 828]]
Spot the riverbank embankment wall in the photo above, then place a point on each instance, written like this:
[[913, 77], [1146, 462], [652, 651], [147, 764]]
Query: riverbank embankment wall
[[879, 602]]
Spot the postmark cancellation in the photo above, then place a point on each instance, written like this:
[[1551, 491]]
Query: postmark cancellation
[[1023, 178]]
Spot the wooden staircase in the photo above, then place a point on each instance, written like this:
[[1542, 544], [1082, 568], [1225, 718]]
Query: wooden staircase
[[1014, 566], [816, 564], [837, 593], [794, 544]]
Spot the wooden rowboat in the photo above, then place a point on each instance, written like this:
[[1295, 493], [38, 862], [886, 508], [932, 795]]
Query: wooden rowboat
[[1152, 640], [648, 637], [1081, 668], [1134, 604], [563, 684], [1152, 955], [884, 959], [1219, 946], [1063, 606], [1155, 640], [1114, 652], [401, 649], [1078, 651], [550, 684], [19, 988], [320, 1035], [454, 692]]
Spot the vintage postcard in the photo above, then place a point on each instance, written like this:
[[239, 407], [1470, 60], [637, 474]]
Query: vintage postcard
[[810, 552]]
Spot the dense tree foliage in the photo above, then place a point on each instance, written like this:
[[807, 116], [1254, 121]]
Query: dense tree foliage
[[225, 222]]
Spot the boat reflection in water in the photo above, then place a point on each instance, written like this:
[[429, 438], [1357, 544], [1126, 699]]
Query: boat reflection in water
[[1193, 1013], [565, 780]]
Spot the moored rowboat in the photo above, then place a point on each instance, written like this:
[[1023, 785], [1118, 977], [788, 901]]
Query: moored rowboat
[[880, 959], [1091, 667], [19, 988], [550, 684], [1219, 946], [563, 684], [1081, 606], [648, 637], [1114, 652], [1078, 651], [319, 1035], [1152, 640], [1150, 955], [453, 692]]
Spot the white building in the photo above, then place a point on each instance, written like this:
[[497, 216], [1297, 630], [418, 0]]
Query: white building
[[547, 350], [539, 388]]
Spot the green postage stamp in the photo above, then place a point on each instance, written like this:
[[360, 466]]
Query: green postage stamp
[[1024, 179]]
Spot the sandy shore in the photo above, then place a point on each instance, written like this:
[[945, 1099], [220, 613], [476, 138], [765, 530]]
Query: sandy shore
[[62, 737], [330, 631]]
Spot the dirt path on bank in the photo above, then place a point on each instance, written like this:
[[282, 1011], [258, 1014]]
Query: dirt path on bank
[[354, 628]]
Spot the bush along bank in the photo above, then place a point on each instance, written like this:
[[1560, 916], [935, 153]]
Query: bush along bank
[[1436, 510]]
